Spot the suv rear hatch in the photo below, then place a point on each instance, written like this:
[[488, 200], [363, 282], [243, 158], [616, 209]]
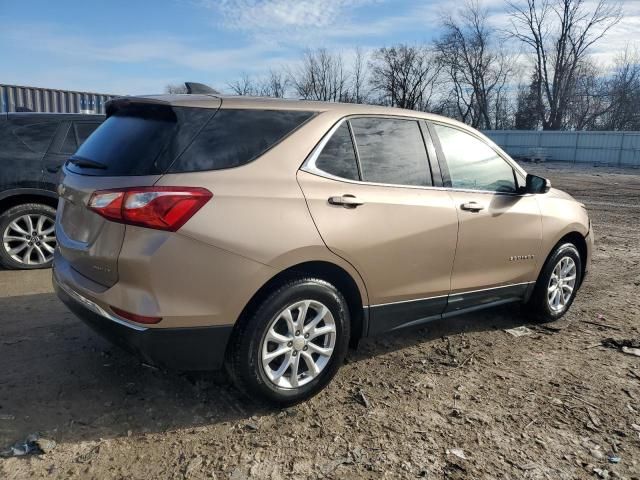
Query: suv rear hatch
[[142, 139], [133, 148]]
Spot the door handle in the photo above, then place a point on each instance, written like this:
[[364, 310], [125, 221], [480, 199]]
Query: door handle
[[472, 206], [346, 201]]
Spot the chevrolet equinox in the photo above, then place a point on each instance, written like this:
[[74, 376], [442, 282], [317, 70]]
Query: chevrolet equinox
[[266, 236]]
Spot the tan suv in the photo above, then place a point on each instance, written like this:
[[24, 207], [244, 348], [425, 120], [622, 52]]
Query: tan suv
[[268, 235]]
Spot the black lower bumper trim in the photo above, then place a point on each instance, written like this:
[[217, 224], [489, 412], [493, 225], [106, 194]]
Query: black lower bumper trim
[[198, 348]]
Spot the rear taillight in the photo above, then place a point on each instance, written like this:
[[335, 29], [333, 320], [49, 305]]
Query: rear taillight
[[162, 208]]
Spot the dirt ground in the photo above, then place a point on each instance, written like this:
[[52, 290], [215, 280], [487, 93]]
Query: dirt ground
[[459, 399]]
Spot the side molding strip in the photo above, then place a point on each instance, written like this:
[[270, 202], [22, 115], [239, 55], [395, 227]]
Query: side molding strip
[[386, 317]]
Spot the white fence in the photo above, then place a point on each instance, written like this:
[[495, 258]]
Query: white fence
[[621, 149], [33, 99]]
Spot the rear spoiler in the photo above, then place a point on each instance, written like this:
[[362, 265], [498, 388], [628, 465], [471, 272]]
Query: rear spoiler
[[112, 106], [193, 88]]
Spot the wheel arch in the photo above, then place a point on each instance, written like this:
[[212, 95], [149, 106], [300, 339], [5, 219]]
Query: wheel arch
[[581, 244], [323, 270], [576, 238], [12, 198]]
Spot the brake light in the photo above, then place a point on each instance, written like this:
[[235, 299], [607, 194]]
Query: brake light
[[135, 317], [162, 208]]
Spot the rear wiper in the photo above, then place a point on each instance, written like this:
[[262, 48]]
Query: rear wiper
[[86, 163]]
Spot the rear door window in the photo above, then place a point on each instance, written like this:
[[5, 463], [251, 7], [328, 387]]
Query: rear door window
[[37, 137], [338, 156], [236, 137], [391, 151], [69, 144]]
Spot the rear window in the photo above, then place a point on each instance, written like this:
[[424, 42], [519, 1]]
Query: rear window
[[79, 130], [83, 130], [338, 156], [391, 151], [135, 140], [236, 137], [152, 140]]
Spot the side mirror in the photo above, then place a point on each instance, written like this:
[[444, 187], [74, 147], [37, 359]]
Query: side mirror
[[537, 184]]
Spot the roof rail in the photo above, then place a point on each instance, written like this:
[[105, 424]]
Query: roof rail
[[194, 87]]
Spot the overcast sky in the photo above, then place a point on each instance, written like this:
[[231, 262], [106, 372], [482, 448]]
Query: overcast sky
[[137, 46]]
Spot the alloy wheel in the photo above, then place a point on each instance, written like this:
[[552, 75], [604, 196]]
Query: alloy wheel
[[30, 239], [561, 284], [298, 344]]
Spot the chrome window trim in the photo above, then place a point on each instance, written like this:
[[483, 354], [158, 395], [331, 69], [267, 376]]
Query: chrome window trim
[[95, 308], [309, 165], [466, 292]]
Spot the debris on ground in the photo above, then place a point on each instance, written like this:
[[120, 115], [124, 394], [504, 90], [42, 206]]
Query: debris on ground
[[628, 346], [613, 458], [458, 452], [518, 331], [33, 444], [631, 351], [600, 324], [253, 427], [362, 399]]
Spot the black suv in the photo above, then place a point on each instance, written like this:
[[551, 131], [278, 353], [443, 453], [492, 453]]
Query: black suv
[[33, 147]]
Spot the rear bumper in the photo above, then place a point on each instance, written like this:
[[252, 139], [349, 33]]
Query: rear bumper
[[196, 348]]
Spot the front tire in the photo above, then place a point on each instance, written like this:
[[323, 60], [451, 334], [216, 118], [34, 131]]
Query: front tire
[[291, 346], [557, 284], [27, 236]]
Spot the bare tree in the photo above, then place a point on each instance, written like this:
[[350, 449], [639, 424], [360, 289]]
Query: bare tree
[[559, 33], [477, 68], [245, 85], [405, 76], [274, 85], [624, 93], [320, 76], [358, 91], [527, 115], [590, 99]]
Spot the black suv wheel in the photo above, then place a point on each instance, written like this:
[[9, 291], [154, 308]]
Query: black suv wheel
[[27, 233]]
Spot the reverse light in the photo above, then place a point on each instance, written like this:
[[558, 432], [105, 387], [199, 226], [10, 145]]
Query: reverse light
[[162, 208], [135, 317]]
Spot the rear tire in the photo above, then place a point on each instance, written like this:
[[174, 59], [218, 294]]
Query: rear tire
[[27, 250], [282, 358], [557, 284]]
